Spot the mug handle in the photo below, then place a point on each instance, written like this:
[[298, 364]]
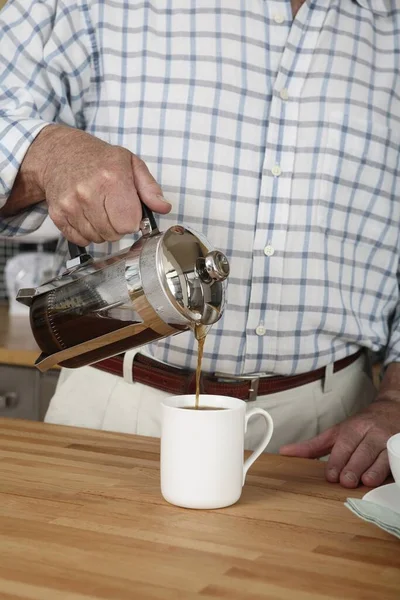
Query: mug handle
[[264, 441]]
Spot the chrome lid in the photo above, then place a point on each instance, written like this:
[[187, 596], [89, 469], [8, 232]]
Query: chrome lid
[[192, 274]]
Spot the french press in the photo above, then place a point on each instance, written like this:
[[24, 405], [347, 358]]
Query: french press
[[165, 283]]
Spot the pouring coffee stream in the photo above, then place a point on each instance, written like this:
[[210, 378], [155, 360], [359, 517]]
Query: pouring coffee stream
[[165, 283], [200, 333]]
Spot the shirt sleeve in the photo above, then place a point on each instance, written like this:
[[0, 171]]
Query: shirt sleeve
[[45, 77]]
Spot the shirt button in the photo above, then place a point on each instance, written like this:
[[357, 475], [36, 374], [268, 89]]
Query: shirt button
[[284, 94], [276, 170], [260, 330], [269, 250], [279, 19]]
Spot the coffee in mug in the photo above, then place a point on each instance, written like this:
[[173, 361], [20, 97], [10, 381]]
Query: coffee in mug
[[203, 408]]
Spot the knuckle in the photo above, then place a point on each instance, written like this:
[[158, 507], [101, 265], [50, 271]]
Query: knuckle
[[67, 204], [358, 423], [369, 449], [108, 176], [141, 169], [345, 444], [122, 153], [379, 437], [355, 428], [57, 219], [137, 162], [140, 166], [83, 191]]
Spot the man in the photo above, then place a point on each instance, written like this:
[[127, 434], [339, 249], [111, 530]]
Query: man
[[273, 127]]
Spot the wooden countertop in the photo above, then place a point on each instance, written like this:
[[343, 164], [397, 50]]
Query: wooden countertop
[[82, 518], [17, 344]]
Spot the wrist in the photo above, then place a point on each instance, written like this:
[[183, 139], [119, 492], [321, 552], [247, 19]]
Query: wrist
[[42, 157], [47, 151], [389, 388]]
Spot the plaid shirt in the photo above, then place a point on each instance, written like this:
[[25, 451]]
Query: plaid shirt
[[276, 138]]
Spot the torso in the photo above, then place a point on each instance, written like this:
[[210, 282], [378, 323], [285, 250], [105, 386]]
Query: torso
[[267, 151]]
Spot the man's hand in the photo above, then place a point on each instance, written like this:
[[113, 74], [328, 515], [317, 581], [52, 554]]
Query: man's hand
[[93, 189], [357, 446]]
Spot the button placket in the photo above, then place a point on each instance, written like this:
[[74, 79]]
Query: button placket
[[301, 38], [275, 195], [265, 244]]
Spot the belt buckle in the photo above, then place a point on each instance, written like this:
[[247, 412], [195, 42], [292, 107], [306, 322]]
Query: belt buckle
[[254, 379]]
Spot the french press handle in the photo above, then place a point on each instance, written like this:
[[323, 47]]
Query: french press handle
[[80, 253]]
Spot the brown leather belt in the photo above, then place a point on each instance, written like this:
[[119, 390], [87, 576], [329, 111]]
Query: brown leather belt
[[182, 381]]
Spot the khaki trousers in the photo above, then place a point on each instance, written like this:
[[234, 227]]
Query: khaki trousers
[[88, 397]]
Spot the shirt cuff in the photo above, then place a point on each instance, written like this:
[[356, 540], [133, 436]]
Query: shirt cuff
[[15, 141], [24, 222]]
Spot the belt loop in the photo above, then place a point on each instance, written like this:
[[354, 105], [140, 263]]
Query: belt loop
[[368, 363], [327, 383], [253, 390], [127, 365]]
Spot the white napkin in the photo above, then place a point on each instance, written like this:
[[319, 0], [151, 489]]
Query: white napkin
[[383, 517]]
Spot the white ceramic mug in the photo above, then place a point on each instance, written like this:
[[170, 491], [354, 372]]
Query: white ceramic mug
[[202, 451]]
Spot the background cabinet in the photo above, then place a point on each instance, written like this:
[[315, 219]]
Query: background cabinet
[[25, 393]]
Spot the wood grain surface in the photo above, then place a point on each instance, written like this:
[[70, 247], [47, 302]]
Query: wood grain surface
[[82, 518]]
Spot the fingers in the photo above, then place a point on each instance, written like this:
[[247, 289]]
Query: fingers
[[97, 227], [350, 462], [316, 447], [72, 235], [122, 207], [147, 188], [348, 440], [76, 224], [90, 206], [377, 473], [360, 460], [95, 192], [69, 232], [355, 454], [86, 229]]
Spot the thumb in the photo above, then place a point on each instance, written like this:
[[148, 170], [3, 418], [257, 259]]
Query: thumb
[[316, 447], [147, 187]]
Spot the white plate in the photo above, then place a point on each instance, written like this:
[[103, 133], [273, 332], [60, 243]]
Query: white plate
[[387, 496]]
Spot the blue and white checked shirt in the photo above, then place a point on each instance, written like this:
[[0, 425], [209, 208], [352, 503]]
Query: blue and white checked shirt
[[277, 139]]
